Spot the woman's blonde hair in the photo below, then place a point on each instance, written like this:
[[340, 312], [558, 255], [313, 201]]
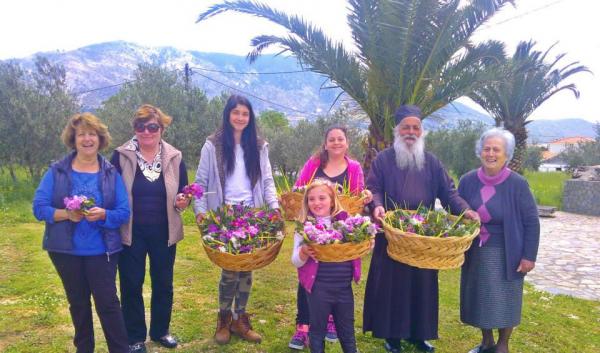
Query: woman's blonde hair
[[88, 121], [336, 206], [147, 112]]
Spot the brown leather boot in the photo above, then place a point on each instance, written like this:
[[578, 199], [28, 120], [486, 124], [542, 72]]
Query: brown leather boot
[[222, 334], [242, 328]]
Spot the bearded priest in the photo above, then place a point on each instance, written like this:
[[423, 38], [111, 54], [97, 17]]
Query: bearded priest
[[401, 301]]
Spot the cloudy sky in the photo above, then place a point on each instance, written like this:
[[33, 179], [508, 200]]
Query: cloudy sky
[[31, 26]]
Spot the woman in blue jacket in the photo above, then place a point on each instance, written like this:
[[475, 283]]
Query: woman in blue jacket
[[84, 245]]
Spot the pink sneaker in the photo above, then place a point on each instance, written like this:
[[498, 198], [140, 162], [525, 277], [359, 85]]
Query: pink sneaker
[[331, 335], [300, 338]]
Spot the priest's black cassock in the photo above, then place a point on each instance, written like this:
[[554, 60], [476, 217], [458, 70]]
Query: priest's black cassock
[[401, 301]]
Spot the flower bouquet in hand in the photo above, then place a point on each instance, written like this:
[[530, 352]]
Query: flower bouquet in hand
[[432, 239], [193, 190], [79, 203], [348, 237], [240, 238]]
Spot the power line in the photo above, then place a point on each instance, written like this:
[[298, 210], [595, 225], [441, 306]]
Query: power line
[[250, 72], [104, 87], [111, 86], [522, 15], [201, 69], [253, 95]]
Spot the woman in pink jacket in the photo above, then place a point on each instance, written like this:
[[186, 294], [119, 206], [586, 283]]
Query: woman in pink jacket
[[331, 162]]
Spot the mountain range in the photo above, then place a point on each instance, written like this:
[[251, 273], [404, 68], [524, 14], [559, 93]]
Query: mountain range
[[95, 73]]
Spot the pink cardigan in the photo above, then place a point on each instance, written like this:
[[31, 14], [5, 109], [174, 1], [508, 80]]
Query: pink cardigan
[[356, 178]]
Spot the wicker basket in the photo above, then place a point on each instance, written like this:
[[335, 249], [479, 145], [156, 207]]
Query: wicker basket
[[352, 204], [291, 203], [244, 262], [427, 252], [342, 251]]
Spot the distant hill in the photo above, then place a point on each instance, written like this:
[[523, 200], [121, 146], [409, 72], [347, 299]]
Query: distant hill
[[106, 64], [540, 131], [111, 63]]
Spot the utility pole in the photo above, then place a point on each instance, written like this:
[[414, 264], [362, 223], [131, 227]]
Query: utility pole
[[187, 73]]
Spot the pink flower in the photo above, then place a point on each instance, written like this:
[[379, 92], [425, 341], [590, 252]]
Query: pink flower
[[253, 230], [78, 203]]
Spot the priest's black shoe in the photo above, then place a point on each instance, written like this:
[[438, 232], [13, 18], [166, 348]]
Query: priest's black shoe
[[167, 341], [423, 346], [139, 347], [481, 349], [392, 349]]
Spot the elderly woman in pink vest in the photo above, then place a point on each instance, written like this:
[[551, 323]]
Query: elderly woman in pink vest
[[330, 162], [154, 175]]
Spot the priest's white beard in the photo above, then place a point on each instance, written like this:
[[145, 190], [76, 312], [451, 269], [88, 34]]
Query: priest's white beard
[[412, 157]]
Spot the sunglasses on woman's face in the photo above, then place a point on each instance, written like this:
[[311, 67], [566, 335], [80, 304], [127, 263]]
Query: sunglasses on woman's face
[[152, 127]]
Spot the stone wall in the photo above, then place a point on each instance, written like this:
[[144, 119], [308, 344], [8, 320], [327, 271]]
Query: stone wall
[[582, 197]]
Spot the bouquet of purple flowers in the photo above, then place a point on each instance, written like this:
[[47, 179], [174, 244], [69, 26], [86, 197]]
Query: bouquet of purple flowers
[[79, 203], [344, 229], [241, 229], [193, 190], [431, 223]]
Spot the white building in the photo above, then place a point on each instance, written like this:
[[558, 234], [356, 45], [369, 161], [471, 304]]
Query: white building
[[551, 161]]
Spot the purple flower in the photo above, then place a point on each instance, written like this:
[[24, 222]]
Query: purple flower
[[416, 219], [245, 249], [194, 190], [213, 228], [343, 215], [239, 222]]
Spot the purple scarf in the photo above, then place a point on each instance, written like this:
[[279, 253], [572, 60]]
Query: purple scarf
[[487, 191]]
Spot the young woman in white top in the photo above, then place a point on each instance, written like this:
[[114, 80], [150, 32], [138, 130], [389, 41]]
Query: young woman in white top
[[234, 167]]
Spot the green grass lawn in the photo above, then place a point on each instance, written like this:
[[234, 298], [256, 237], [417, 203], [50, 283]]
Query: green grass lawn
[[547, 187], [34, 313]]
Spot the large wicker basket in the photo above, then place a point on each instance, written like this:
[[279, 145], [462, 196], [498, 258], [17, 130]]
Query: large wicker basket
[[427, 252], [352, 204], [244, 262], [341, 252], [291, 203]]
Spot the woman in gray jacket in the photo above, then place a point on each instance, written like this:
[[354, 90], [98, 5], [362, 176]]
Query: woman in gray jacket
[[234, 166]]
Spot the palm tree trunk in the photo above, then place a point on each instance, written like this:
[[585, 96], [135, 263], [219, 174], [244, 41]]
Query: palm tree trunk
[[516, 164], [374, 143]]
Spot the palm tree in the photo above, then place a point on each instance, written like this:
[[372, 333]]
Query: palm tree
[[407, 52], [529, 81]]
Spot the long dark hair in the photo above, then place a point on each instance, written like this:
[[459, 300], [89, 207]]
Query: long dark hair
[[249, 140], [322, 154]]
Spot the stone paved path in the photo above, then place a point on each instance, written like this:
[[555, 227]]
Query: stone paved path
[[569, 256]]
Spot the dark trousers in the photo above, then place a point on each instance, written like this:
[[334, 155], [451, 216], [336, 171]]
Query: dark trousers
[[339, 301], [148, 240], [83, 276], [303, 313]]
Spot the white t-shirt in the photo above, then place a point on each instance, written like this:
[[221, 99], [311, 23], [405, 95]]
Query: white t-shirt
[[238, 188]]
